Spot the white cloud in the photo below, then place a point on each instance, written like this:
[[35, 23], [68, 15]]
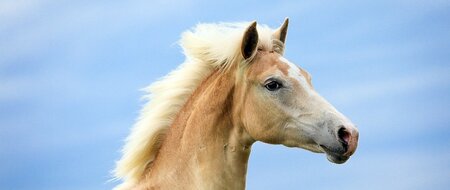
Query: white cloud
[[385, 168], [365, 91], [70, 22], [405, 113], [10, 11]]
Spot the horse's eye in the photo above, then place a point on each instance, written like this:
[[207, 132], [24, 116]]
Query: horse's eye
[[273, 85]]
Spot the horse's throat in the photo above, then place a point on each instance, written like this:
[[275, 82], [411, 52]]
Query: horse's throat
[[219, 153], [203, 145]]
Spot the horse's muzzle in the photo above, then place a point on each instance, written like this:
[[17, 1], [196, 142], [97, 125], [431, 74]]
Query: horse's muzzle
[[348, 138]]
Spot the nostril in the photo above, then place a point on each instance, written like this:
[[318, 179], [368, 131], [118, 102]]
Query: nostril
[[344, 136]]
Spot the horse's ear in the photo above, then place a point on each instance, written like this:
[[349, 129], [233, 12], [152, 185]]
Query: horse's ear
[[281, 32], [249, 41]]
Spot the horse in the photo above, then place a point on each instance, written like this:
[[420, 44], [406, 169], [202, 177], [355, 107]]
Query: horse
[[234, 88]]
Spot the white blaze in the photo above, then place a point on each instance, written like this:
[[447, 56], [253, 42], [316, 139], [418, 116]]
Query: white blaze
[[295, 73]]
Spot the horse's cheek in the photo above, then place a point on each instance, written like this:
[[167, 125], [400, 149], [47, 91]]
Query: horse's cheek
[[260, 121]]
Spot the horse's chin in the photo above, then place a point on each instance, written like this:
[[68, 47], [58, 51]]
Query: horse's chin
[[337, 159], [334, 157], [331, 156]]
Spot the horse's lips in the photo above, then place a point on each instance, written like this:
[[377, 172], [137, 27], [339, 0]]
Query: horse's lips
[[334, 157], [337, 159]]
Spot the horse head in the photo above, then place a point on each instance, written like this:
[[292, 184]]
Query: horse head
[[278, 103]]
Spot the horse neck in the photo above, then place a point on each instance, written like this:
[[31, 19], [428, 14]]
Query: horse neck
[[205, 146]]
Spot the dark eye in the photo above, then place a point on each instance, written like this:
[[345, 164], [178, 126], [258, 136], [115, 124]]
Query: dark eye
[[273, 85]]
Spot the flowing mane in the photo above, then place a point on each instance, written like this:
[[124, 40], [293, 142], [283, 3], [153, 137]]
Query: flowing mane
[[207, 47]]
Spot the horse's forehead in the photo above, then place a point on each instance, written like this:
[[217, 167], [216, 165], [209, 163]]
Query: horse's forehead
[[297, 73], [271, 63], [294, 70], [268, 63]]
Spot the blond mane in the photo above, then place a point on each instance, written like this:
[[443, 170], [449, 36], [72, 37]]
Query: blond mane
[[207, 47]]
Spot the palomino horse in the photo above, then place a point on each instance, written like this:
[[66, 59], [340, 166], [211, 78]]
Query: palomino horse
[[235, 88]]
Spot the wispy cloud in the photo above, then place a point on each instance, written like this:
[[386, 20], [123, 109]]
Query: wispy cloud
[[371, 169], [403, 84], [12, 11], [37, 28]]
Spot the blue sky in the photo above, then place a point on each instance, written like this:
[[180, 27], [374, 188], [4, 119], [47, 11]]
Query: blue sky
[[70, 74]]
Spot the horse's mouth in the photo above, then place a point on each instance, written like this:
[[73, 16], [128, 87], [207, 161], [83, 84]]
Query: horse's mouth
[[335, 157]]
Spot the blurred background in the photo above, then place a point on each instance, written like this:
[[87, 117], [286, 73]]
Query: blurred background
[[70, 74]]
